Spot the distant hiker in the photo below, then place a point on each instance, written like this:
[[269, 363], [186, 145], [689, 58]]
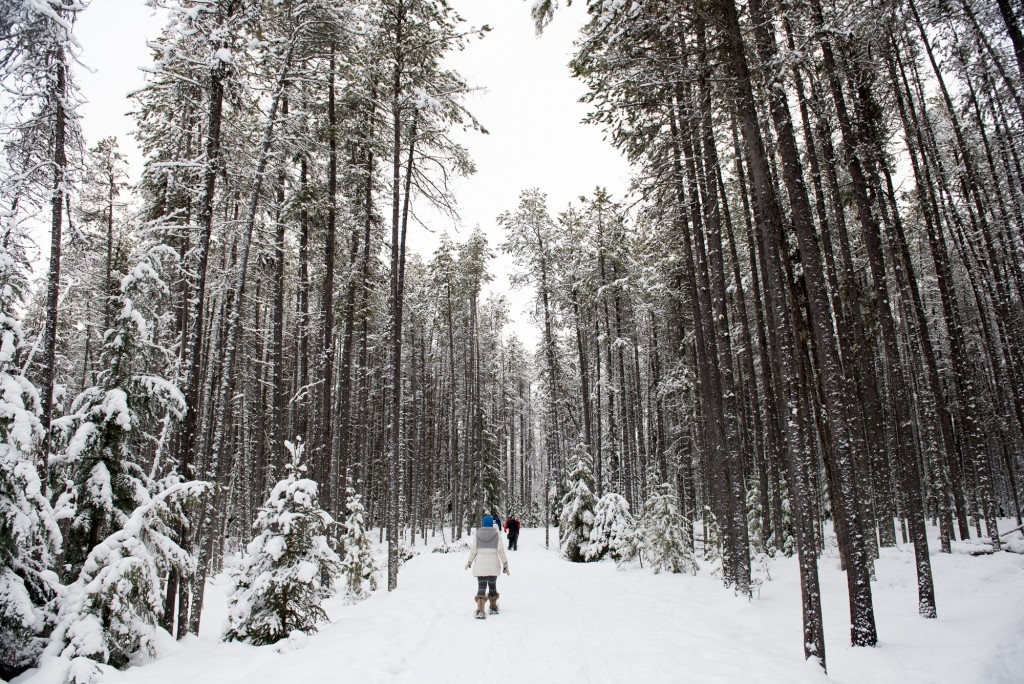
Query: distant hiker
[[487, 558], [497, 521], [512, 527]]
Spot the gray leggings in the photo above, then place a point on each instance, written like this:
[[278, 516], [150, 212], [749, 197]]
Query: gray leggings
[[487, 585]]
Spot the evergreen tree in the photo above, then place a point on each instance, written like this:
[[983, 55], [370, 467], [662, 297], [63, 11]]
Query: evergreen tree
[[755, 517], [110, 614], [761, 550], [29, 537], [112, 425], [577, 517], [712, 541], [96, 257], [614, 532], [289, 567], [665, 543], [359, 568]]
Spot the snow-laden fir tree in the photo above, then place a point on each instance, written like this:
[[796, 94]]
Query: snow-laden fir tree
[[359, 568], [755, 526], [760, 550], [772, 542], [614, 533], [110, 614], [112, 453], [287, 570], [29, 536], [665, 543], [712, 542], [577, 516]]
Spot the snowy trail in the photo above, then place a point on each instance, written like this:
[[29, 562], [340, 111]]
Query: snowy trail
[[564, 622]]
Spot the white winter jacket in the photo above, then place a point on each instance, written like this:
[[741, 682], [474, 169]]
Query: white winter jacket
[[487, 552]]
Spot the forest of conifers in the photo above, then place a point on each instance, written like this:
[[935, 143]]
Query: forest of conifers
[[808, 310]]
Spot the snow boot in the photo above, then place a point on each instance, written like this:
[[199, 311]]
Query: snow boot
[[494, 603], [480, 614]]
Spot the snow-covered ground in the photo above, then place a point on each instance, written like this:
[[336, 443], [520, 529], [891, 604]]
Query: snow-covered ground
[[564, 622]]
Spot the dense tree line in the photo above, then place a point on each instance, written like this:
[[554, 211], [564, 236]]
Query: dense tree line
[[810, 310], [253, 290], [815, 310]]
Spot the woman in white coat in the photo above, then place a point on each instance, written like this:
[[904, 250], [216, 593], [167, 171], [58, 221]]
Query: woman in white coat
[[487, 558]]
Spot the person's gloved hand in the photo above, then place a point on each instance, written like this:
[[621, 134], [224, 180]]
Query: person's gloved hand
[[505, 569], [469, 564]]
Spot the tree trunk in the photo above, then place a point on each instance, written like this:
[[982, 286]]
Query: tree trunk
[[224, 392], [48, 371]]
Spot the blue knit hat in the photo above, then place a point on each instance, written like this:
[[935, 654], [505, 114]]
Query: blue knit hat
[[488, 521]]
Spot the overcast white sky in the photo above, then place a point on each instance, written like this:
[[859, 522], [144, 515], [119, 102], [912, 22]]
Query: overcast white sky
[[529, 107]]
